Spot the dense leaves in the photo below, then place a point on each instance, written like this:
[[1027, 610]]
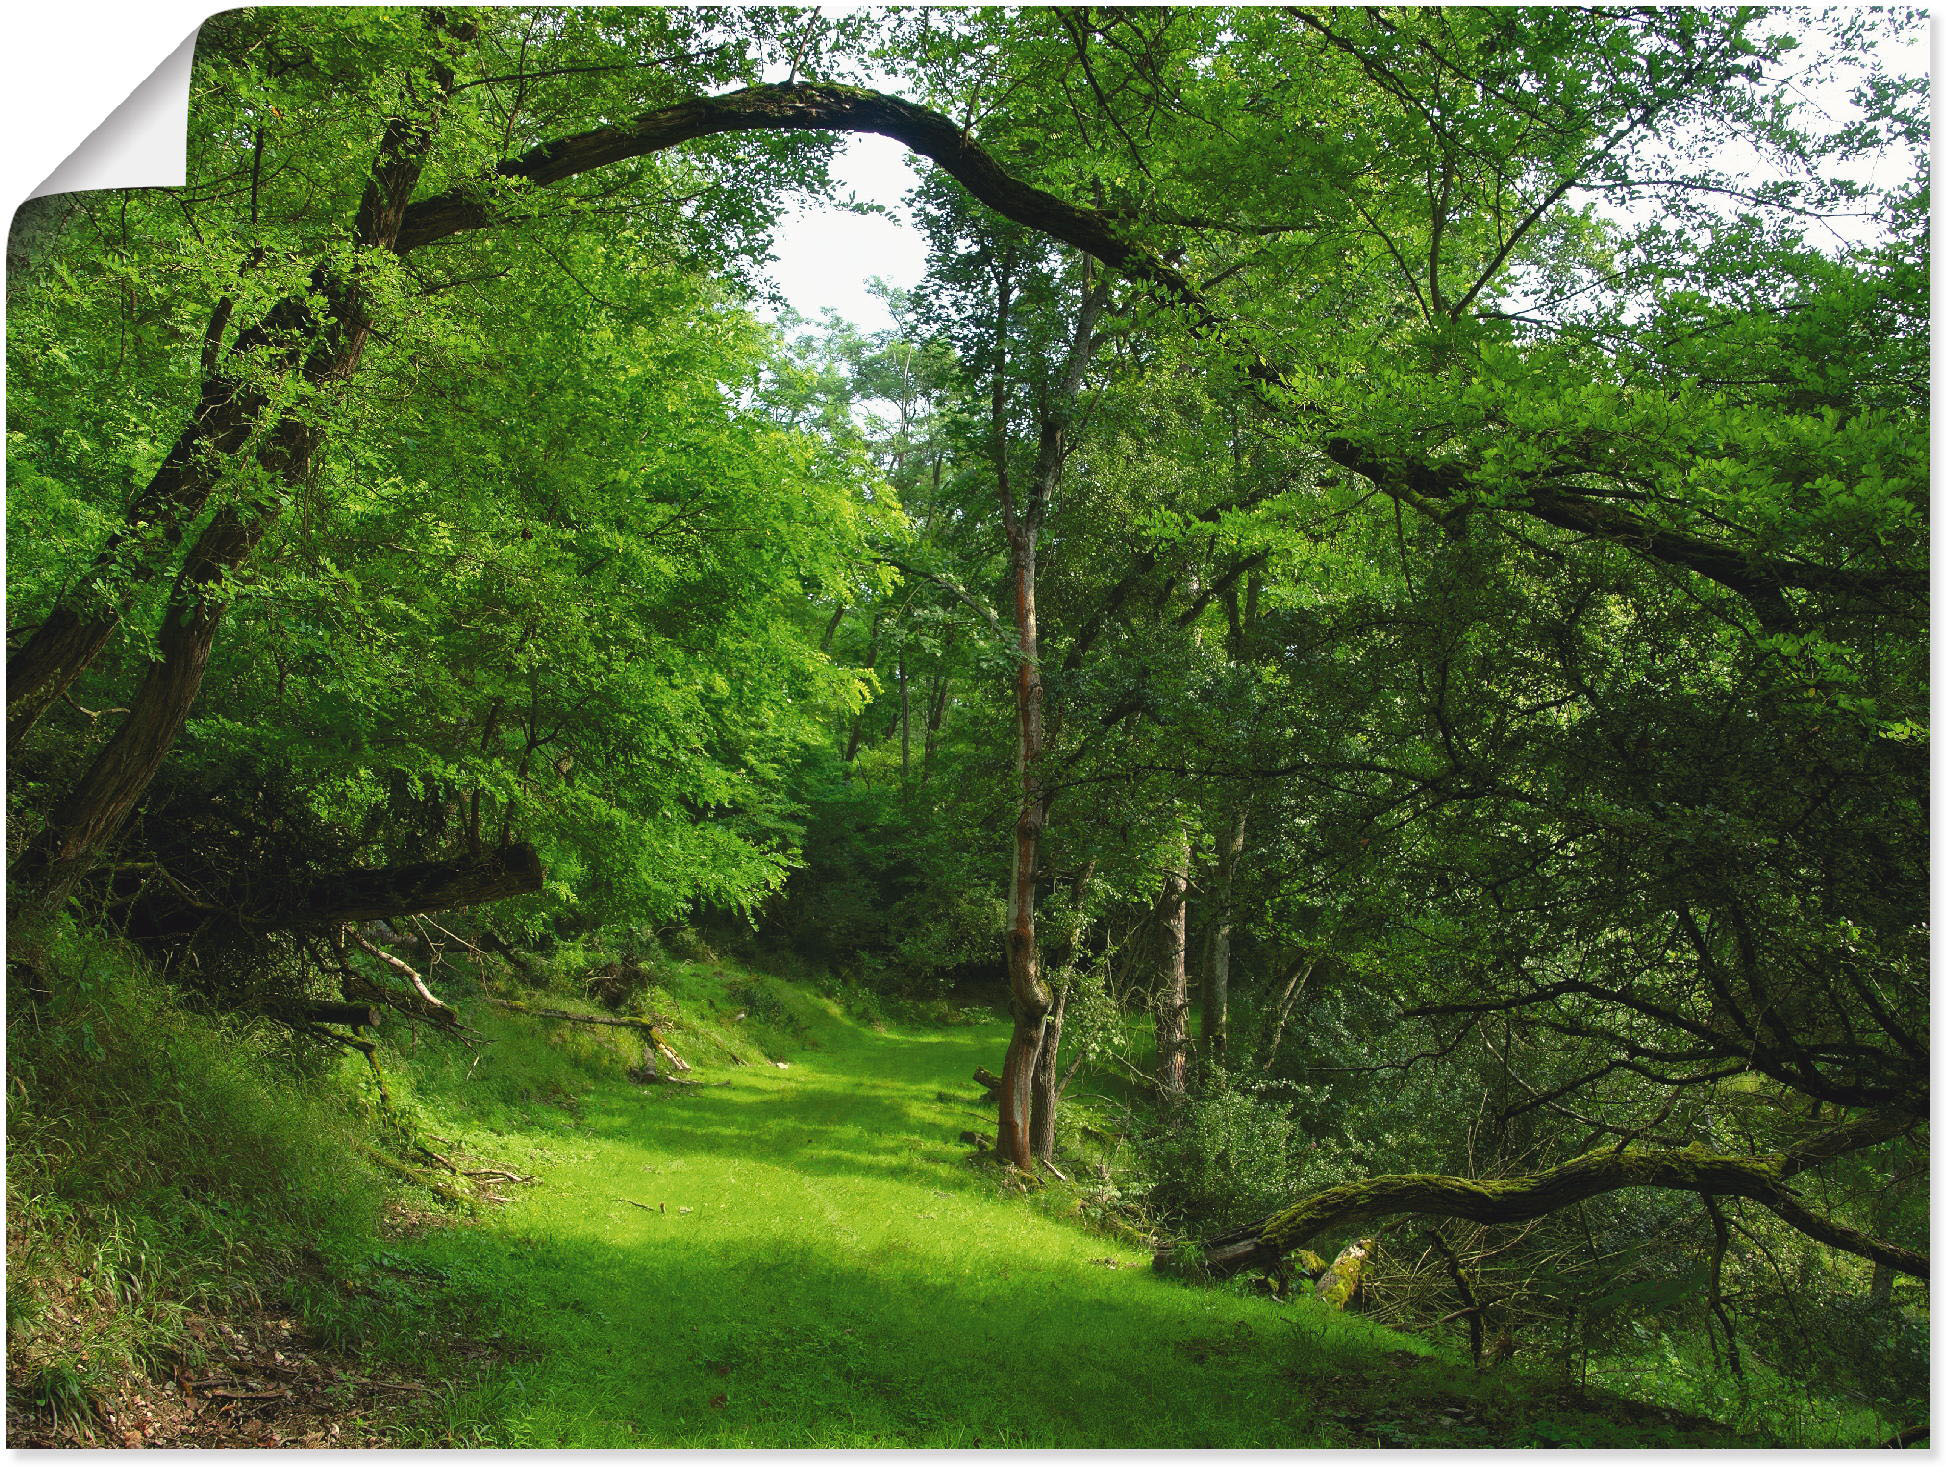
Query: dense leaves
[[1467, 467]]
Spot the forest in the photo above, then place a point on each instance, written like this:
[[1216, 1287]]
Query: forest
[[1291, 814]]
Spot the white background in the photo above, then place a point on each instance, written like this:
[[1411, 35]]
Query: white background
[[65, 66]]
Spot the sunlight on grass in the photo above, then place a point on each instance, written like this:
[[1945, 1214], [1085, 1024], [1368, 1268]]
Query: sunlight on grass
[[803, 1257]]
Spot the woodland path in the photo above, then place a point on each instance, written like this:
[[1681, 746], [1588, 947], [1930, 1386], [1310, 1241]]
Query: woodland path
[[818, 1265], [814, 1263]]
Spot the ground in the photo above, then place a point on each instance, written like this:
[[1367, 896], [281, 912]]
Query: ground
[[798, 1251]]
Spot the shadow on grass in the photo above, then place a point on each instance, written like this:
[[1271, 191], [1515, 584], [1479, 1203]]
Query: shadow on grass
[[763, 1339], [802, 1258]]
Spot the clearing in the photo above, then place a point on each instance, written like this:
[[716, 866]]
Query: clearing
[[802, 1256]]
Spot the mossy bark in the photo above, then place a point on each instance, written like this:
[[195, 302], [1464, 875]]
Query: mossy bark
[[1339, 1283], [1759, 1178]]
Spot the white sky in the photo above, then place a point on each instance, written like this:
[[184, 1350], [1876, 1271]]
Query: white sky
[[826, 256]]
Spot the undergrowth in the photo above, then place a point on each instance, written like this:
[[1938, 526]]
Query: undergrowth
[[791, 1246], [170, 1169]]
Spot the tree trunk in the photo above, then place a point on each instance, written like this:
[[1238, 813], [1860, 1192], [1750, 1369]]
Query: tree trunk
[[1287, 1000], [87, 819], [1030, 996], [1883, 1277], [649, 1027], [83, 823], [1216, 953], [935, 713], [1171, 985], [905, 725], [228, 413], [1048, 1081], [1029, 993]]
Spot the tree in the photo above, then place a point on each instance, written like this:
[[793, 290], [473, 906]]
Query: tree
[[1613, 739]]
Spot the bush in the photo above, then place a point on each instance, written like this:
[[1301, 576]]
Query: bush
[[1224, 1158]]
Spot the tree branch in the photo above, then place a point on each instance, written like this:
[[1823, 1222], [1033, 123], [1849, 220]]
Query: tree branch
[[1759, 1178], [808, 107]]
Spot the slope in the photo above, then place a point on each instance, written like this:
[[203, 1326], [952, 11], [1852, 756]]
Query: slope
[[802, 1255]]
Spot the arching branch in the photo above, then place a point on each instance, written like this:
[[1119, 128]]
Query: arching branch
[[823, 107], [1759, 1178]]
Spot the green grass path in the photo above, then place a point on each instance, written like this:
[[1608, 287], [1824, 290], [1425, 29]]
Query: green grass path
[[814, 1263], [820, 1267]]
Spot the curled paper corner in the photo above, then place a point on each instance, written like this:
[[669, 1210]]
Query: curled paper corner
[[142, 144]]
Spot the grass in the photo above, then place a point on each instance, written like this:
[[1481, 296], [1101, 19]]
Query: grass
[[804, 1257], [779, 1256], [155, 1162], [801, 1257]]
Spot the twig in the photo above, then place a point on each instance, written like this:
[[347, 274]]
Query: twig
[[445, 1013]]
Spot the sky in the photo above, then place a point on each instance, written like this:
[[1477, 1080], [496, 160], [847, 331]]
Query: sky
[[826, 256]]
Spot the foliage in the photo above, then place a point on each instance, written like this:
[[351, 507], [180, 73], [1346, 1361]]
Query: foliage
[[1485, 535]]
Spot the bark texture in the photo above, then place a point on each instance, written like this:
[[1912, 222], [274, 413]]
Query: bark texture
[[1759, 1178], [1047, 1081], [1171, 984], [1339, 1283], [415, 889], [1031, 998]]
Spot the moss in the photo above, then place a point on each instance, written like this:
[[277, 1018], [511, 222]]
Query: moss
[[1518, 1198]]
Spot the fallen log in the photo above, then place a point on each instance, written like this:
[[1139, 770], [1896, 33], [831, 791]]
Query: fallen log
[[412, 889], [1339, 1283], [1759, 1178], [1223, 1257], [341, 1014], [986, 1080]]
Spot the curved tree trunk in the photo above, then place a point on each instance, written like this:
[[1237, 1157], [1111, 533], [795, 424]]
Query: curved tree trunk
[[1759, 1178], [84, 822], [1393, 470], [71, 636]]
